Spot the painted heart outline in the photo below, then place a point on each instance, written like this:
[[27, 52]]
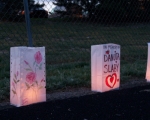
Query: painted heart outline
[[111, 80]]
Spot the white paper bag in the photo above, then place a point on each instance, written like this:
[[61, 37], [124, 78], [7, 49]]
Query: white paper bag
[[148, 65], [105, 67], [27, 75]]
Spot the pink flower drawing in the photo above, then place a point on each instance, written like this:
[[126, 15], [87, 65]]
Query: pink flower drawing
[[31, 77], [38, 57]]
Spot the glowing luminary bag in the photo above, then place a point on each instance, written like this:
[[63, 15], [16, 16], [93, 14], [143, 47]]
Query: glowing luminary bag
[[105, 67], [27, 75], [148, 65]]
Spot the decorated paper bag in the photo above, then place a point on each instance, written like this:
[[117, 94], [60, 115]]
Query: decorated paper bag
[[105, 67], [27, 75], [148, 65]]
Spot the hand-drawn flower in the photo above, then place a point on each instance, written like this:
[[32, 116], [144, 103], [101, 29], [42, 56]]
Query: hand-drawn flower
[[38, 57], [31, 77]]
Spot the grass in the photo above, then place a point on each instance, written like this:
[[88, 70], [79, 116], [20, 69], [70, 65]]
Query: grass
[[77, 75], [68, 49]]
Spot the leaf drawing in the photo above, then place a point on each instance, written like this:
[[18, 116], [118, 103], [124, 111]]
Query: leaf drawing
[[36, 82], [15, 76], [14, 81], [41, 87], [28, 69], [28, 87], [14, 91]]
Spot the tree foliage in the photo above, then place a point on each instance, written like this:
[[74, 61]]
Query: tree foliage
[[69, 5], [112, 10], [33, 5], [11, 5], [15, 5], [123, 10], [10, 8]]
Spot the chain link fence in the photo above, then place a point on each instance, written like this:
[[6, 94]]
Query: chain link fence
[[68, 28]]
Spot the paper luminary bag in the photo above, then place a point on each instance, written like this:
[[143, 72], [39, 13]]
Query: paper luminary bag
[[27, 75], [148, 65], [105, 67]]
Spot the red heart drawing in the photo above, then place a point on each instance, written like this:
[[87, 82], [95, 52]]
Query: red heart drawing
[[107, 52], [111, 80]]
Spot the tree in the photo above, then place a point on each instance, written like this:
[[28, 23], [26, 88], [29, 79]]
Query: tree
[[145, 10], [85, 6], [111, 10], [10, 8], [11, 5], [72, 7], [32, 5], [15, 5], [121, 11], [89, 7]]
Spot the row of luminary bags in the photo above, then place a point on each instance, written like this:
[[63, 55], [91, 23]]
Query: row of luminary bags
[[28, 73]]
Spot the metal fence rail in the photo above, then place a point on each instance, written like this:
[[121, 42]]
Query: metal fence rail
[[68, 29]]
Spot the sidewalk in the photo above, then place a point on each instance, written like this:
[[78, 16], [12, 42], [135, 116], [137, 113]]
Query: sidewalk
[[125, 104]]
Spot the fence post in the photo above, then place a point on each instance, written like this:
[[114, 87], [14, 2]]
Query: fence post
[[28, 26]]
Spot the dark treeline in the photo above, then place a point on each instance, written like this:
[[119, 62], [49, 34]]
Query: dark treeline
[[9, 9], [107, 10]]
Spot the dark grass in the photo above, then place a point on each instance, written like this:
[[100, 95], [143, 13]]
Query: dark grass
[[68, 46]]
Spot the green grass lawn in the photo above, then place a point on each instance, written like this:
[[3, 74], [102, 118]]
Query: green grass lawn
[[68, 49]]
